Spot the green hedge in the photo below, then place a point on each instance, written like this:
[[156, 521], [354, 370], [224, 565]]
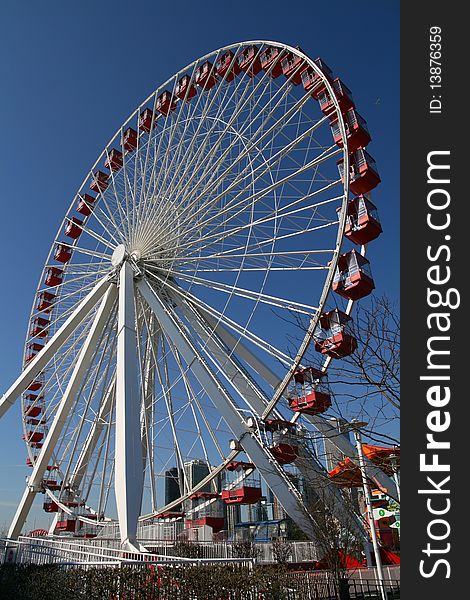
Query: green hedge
[[219, 582]]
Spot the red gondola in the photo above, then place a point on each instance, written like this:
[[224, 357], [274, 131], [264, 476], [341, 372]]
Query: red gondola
[[62, 253], [130, 139], [66, 525], [249, 61], [227, 66], [271, 60], [39, 327], [362, 222], [353, 278], [52, 484], [73, 229], [310, 394], [239, 465], [284, 453], [169, 515], [206, 76], [45, 302], [357, 134], [343, 95], [32, 410], [50, 507], [32, 350], [147, 120], [36, 385], [217, 523], [242, 488], [33, 436], [335, 337], [292, 67], [312, 82], [114, 160], [346, 474], [242, 494], [54, 276], [185, 90], [165, 103], [283, 446], [364, 176], [100, 181]]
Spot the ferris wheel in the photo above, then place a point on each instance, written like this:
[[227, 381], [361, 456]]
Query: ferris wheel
[[211, 224]]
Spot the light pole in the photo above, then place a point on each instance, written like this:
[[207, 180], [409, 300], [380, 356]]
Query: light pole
[[355, 427]]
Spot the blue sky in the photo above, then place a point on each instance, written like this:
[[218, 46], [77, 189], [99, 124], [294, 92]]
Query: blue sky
[[72, 72]]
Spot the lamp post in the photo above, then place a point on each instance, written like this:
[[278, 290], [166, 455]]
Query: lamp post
[[355, 427]]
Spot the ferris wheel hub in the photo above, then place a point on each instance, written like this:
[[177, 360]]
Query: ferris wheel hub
[[119, 255]]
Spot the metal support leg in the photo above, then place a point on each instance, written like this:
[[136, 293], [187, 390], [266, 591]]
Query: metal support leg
[[61, 415], [54, 344], [273, 474], [129, 477]]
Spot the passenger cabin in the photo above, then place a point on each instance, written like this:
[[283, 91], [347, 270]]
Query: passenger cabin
[[292, 67], [216, 523], [54, 276], [50, 506], [32, 410], [364, 176], [33, 436], [39, 327], [243, 485], [206, 76], [271, 60], [343, 95], [73, 229], [346, 474], [67, 525], [36, 384], [114, 160], [87, 201], [353, 277], [51, 484], [362, 221], [130, 139], [165, 103], [169, 515], [313, 82], [33, 349], [249, 61], [335, 337], [147, 120], [310, 393], [100, 182], [62, 253], [185, 90], [357, 134], [45, 302], [283, 444], [227, 66]]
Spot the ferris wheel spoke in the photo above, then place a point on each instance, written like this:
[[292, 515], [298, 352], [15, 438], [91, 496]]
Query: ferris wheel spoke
[[242, 104], [191, 166], [258, 172], [265, 168], [286, 304], [165, 385], [216, 236], [195, 401], [230, 323], [257, 196], [95, 387]]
